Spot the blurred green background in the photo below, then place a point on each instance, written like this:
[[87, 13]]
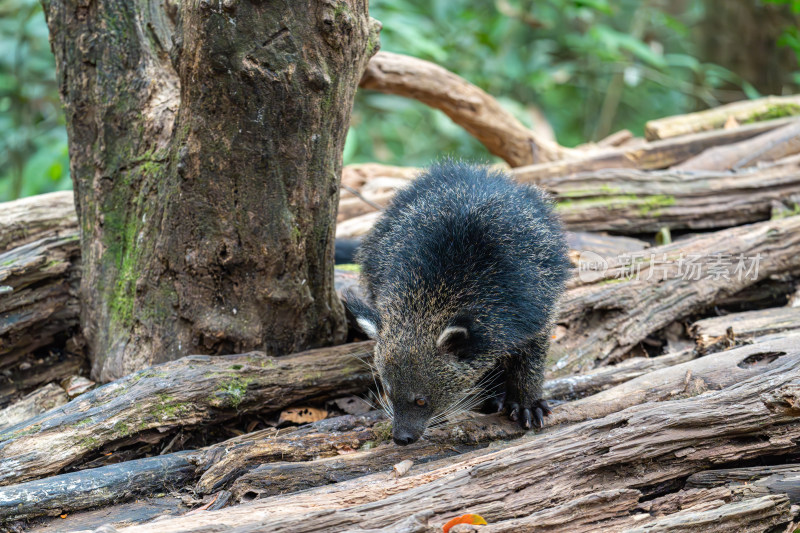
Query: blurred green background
[[579, 68]]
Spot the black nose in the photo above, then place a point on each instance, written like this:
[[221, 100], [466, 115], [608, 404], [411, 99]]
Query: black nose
[[403, 438]]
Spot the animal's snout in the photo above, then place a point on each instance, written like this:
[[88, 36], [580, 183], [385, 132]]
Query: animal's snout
[[404, 438]]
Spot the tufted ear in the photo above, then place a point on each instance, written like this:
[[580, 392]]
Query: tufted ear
[[456, 338], [366, 316]]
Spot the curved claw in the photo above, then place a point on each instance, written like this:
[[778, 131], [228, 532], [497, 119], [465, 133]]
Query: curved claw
[[528, 417]]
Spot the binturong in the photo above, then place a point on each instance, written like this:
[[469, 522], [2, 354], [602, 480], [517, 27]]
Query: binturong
[[462, 274]]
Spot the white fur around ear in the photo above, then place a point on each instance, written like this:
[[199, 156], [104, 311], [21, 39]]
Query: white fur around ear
[[367, 326], [450, 333]]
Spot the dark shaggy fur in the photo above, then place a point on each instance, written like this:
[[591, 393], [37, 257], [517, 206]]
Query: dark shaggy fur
[[462, 272]]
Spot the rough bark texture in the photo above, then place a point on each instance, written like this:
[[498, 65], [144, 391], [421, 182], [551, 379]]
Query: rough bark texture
[[645, 448], [35, 217], [648, 156], [467, 105], [743, 327], [633, 201], [205, 147], [190, 391], [764, 148], [609, 311], [38, 293], [35, 403], [743, 112]]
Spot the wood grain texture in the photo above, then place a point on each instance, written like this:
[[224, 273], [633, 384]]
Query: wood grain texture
[[191, 391], [643, 448]]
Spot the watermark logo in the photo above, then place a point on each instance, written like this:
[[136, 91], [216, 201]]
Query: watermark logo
[[650, 266]]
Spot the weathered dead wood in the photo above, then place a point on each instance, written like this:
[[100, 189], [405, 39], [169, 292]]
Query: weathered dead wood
[[681, 380], [774, 291], [644, 448], [752, 515], [35, 403], [221, 463], [580, 385], [190, 391], [96, 487], [29, 219], [467, 105], [765, 148], [742, 112], [649, 156], [615, 511], [602, 244], [38, 283], [356, 176], [604, 318], [752, 481], [54, 367], [357, 226], [712, 372], [633, 201], [709, 332], [470, 432]]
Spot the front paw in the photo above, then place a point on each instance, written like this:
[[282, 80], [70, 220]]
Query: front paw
[[529, 415]]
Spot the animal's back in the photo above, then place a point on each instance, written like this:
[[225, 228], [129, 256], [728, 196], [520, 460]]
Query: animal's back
[[465, 236]]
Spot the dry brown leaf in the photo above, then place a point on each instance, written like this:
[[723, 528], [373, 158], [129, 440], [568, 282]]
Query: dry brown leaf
[[730, 123], [302, 415]]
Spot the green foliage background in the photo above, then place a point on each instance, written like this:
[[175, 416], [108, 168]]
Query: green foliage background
[[589, 67]]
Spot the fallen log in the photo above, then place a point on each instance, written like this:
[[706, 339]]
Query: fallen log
[[35, 403], [579, 385], [607, 312], [29, 219], [649, 156], [633, 201], [741, 327], [648, 448], [467, 105], [712, 372], [742, 112], [39, 284], [276, 461], [186, 392], [96, 487], [53, 368], [671, 381], [765, 148], [752, 481]]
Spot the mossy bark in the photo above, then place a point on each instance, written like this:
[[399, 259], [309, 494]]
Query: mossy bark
[[205, 147]]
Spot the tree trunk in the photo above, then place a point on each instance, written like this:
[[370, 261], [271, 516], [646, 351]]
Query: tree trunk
[[205, 146]]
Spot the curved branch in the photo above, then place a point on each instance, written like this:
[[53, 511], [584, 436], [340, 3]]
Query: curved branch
[[467, 105]]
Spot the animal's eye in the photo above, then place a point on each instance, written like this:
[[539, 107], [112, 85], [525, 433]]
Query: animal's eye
[[422, 402]]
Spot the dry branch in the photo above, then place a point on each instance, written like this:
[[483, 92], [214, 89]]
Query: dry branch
[[96, 487], [748, 325], [742, 112], [649, 156], [467, 105], [606, 317], [643, 448], [186, 392], [764, 148]]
